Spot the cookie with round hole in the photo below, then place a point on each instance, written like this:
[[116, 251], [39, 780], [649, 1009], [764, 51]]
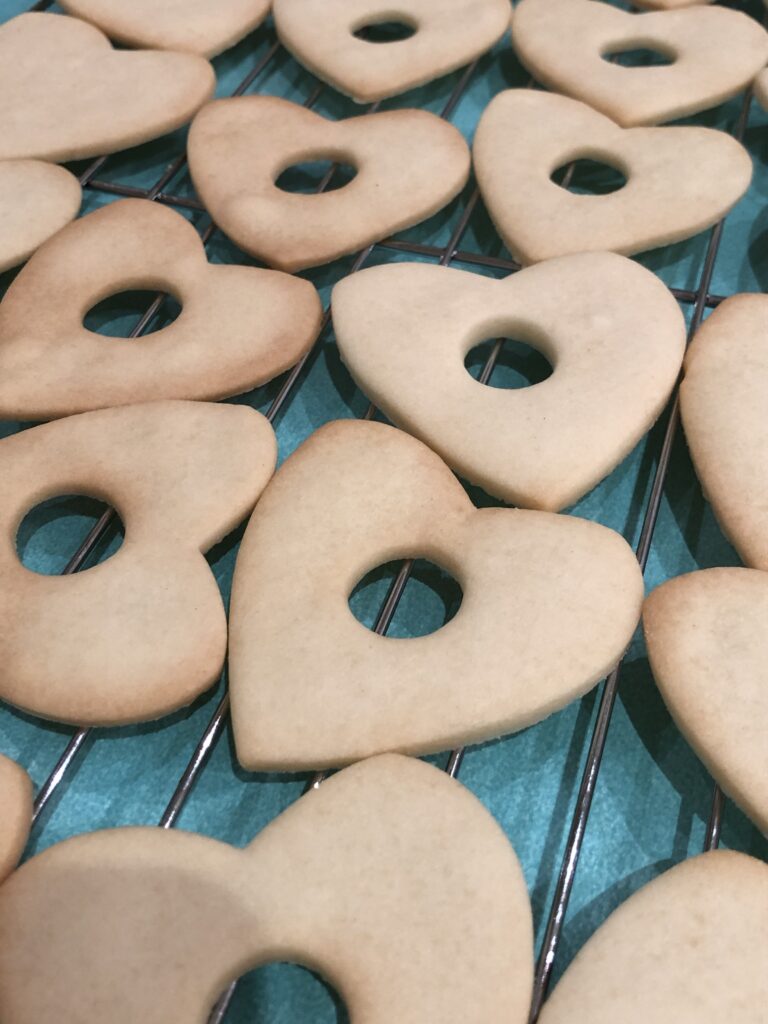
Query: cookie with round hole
[[68, 95], [37, 199], [691, 945], [524, 135], [189, 26], [15, 814], [238, 327], [374, 879], [409, 164], [333, 39], [714, 51], [707, 645], [725, 417], [549, 604], [145, 632], [614, 335]]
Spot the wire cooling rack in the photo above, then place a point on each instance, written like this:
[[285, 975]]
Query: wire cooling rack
[[597, 799]]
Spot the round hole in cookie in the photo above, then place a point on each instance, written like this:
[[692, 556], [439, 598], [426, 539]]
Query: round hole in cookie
[[118, 315], [288, 992], [507, 363], [387, 30], [315, 175], [589, 177], [430, 600], [51, 532], [630, 55]]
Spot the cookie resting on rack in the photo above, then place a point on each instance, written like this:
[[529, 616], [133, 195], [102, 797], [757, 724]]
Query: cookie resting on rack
[[238, 327], [191, 26], [144, 632], [15, 814], [724, 406], [549, 604], [610, 328], [715, 53], [409, 164], [67, 94], [390, 879], [329, 38], [708, 648], [525, 134], [688, 947], [36, 200]]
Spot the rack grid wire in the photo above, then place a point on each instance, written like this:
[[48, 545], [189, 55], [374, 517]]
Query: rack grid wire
[[656, 803]]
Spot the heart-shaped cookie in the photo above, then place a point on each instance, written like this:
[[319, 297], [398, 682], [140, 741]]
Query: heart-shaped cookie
[[524, 135], [144, 632], [614, 335], [15, 814], [725, 416], [409, 164], [390, 879], [67, 94], [192, 26], [688, 947], [446, 34], [715, 53], [708, 648], [239, 326], [550, 602], [36, 200]]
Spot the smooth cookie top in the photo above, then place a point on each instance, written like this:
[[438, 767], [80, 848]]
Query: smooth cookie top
[[15, 814], [37, 199]]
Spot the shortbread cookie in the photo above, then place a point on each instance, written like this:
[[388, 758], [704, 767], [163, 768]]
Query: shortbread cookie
[[446, 35], [524, 134], [67, 94], [610, 328], [390, 879], [192, 26], [15, 814], [690, 946], [716, 52], [144, 632], [725, 415], [550, 602], [239, 326], [708, 649], [36, 200], [409, 164]]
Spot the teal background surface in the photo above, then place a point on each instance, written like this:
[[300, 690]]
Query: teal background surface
[[653, 796]]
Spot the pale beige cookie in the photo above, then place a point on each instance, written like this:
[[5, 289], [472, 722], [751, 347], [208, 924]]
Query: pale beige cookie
[[36, 200], [549, 604], [144, 632], [390, 879], [524, 135], [725, 415], [447, 34], [688, 947], [564, 43], [708, 648], [761, 89], [191, 26], [610, 328], [409, 164], [239, 326], [15, 814], [67, 94]]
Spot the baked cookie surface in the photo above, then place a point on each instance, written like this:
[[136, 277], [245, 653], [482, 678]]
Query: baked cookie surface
[[68, 95], [239, 326], [15, 814], [37, 199], [409, 164]]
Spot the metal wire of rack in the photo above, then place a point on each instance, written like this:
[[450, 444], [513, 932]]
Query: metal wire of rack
[[698, 299]]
